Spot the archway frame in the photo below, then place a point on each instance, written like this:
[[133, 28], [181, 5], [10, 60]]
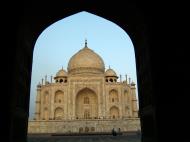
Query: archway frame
[[77, 102], [31, 26]]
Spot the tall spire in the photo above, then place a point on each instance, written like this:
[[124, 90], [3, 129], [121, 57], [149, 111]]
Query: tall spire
[[120, 78], [51, 78], [85, 42], [126, 78], [129, 80], [45, 79]]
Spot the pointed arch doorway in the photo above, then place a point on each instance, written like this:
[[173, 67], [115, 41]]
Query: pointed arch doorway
[[86, 104]]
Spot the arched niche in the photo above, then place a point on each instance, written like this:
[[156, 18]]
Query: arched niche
[[80, 130], [127, 111], [58, 114], [113, 96], [86, 99], [114, 112], [126, 100], [86, 114], [46, 97], [59, 97], [46, 114]]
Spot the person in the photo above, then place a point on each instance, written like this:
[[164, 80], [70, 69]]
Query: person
[[114, 132], [119, 131], [138, 132]]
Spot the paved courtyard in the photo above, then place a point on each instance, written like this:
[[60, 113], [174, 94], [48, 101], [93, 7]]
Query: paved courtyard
[[110, 138]]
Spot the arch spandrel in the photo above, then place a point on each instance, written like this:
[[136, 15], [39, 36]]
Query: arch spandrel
[[59, 91], [92, 88], [113, 90]]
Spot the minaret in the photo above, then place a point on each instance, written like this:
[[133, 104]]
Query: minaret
[[38, 98], [85, 43], [129, 81], [42, 81], [45, 79], [134, 100], [51, 78], [126, 78]]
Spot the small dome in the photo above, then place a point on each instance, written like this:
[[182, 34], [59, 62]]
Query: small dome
[[86, 60], [39, 85], [61, 73], [132, 83], [110, 72]]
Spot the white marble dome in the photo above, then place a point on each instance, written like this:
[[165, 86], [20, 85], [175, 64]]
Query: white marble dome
[[86, 60], [61, 73], [110, 72]]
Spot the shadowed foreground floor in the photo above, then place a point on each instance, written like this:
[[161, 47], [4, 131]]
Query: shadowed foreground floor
[[110, 138]]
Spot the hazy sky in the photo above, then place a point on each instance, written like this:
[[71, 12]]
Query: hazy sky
[[60, 41]]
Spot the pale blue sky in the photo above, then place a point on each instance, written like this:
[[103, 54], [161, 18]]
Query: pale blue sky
[[60, 41]]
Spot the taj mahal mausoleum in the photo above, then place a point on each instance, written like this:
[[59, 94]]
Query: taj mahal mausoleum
[[85, 98]]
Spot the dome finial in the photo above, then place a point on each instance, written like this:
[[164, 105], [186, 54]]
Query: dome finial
[[109, 66], [85, 42]]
